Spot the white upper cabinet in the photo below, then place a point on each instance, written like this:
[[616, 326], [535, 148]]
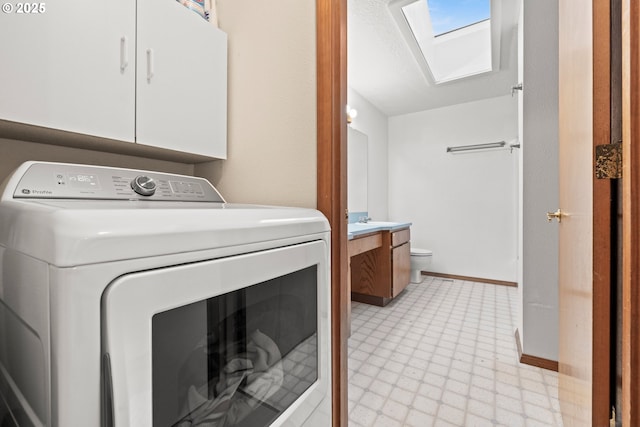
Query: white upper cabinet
[[93, 69], [182, 80], [61, 68]]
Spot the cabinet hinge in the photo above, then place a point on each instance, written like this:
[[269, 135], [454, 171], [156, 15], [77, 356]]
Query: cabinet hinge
[[608, 164]]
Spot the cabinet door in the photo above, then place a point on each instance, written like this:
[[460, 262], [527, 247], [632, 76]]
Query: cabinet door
[[401, 268], [181, 92], [61, 67]]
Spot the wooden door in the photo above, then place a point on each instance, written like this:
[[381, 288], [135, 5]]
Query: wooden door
[[585, 230]]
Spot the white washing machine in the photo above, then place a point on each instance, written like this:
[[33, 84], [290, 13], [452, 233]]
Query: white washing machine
[[138, 298]]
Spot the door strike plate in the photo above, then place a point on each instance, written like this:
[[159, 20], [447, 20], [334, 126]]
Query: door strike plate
[[608, 162]]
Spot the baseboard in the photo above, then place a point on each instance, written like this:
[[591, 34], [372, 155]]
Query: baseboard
[[536, 361], [370, 299], [471, 279]]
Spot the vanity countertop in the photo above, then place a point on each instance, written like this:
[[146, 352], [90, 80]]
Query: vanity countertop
[[359, 228]]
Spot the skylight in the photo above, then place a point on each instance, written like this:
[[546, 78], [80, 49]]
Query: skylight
[[450, 15], [451, 39]]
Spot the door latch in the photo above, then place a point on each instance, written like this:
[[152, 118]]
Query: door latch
[[557, 215]]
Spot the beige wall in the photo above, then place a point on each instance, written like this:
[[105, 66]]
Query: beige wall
[[13, 153], [272, 104]]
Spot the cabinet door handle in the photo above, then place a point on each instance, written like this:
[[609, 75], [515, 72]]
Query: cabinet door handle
[[124, 53], [149, 65]]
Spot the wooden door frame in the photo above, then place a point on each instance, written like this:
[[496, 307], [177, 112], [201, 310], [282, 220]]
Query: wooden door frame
[[331, 54], [631, 214]]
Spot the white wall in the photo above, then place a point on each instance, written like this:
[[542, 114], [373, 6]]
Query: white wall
[[272, 104], [463, 206], [520, 164], [539, 333], [373, 123]]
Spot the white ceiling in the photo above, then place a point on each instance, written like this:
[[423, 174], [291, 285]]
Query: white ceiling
[[382, 68]]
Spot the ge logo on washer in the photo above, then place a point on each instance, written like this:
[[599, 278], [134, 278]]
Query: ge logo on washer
[[26, 191]]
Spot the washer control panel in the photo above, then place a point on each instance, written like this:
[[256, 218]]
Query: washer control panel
[[44, 180]]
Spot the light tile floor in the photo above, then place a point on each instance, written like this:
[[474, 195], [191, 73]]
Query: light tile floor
[[444, 354]]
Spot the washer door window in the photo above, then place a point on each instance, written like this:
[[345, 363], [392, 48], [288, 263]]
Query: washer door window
[[228, 342], [236, 359]]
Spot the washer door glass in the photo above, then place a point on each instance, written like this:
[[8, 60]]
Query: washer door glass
[[238, 359]]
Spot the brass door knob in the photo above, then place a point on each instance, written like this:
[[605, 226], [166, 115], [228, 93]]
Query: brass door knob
[[557, 215]]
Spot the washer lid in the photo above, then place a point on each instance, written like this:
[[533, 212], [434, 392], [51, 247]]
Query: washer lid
[[72, 232]]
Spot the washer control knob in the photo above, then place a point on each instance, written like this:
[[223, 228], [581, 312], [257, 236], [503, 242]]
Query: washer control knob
[[143, 185]]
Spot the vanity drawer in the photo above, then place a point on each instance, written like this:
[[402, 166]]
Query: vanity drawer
[[364, 244], [399, 237]]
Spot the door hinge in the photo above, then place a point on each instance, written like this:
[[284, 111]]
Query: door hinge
[[608, 163]]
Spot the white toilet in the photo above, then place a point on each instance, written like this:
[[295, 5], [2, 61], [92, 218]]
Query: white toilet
[[420, 260]]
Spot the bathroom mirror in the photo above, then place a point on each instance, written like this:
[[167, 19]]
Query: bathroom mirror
[[357, 171]]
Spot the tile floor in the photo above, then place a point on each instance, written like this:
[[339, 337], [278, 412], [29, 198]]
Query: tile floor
[[444, 354]]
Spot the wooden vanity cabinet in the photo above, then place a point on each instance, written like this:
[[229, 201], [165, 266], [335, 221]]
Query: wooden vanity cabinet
[[400, 261], [383, 270]]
